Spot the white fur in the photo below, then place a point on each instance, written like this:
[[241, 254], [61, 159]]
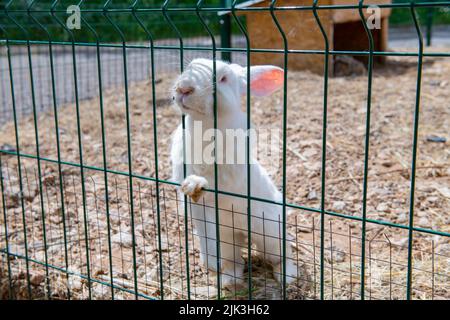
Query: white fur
[[267, 232]]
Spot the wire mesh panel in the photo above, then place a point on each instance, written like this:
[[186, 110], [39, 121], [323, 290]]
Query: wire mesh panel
[[90, 208]]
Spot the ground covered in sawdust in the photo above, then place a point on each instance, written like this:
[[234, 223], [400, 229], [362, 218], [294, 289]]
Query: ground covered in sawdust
[[69, 218]]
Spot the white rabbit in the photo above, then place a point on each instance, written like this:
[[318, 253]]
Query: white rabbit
[[193, 95]]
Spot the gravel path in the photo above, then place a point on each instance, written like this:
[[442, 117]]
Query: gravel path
[[138, 69]]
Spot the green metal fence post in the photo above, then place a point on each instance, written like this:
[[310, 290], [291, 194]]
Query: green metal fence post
[[5, 218], [38, 153], [366, 147], [215, 115], [183, 124], [104, 158], [32, 152], [285, 120], [80, 142], [248, 146], [19, 163], [430, 14], [129, 144]]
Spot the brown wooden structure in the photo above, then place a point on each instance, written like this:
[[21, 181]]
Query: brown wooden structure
[[343, 26]]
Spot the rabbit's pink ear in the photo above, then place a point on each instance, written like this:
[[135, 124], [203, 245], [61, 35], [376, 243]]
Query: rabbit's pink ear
[[265, 80]]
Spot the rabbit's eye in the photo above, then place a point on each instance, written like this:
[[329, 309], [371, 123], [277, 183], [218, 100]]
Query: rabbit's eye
[[223, 79]]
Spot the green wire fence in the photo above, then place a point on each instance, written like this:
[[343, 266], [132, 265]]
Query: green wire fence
[[77, 228]]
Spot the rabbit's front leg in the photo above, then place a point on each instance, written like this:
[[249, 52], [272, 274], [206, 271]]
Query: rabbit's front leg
[[230, 247], [193, 186]]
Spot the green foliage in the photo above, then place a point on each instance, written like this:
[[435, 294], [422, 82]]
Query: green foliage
[[187, 22]]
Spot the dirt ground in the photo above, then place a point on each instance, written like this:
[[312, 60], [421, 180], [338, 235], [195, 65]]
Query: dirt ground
[[388, 193]]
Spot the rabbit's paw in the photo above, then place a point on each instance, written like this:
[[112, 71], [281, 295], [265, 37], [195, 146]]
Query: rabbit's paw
[[192, 186]]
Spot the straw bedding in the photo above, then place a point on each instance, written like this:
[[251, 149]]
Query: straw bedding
[[388, 193]]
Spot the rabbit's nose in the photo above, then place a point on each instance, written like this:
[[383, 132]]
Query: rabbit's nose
[[185, 90]]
